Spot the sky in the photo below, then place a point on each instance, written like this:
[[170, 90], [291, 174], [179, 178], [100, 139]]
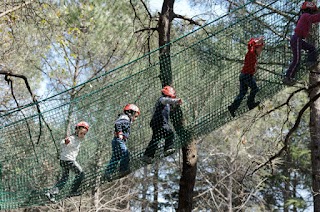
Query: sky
[[181, 7]]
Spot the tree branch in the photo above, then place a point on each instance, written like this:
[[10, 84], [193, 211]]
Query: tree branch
[[295, 126], [15, 8], [146, 29], [190, 20], [274, 10]]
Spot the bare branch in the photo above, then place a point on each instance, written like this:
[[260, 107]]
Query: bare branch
[[273, 9], [295, 126], [190, 20], [16, 8], [146, 29], [146, 8]]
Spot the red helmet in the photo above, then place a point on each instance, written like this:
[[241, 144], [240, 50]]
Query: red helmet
[[132, 107], [83, 124], [255, 42], [169, 91], [309, 5]]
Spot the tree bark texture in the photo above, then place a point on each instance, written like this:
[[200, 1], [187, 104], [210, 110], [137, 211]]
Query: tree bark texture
[[315, 142], [188, 177], [314, 127], [189, 152], [164, 27]]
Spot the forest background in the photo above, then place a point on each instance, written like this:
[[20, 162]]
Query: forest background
[[57, 45]]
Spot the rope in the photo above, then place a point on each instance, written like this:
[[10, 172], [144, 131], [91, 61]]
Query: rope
[[205, 73]]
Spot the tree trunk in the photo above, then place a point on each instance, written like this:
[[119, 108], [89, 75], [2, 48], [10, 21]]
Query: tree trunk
[[287, 182], [315, 142], [314, 127], [189, 152], [164, 27], [187, 181], [144, 190], [155, 187]]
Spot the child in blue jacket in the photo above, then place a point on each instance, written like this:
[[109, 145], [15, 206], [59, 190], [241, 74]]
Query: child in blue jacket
[[160, 124], [120, 152]]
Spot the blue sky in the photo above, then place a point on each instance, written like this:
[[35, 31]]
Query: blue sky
[[181, 7]]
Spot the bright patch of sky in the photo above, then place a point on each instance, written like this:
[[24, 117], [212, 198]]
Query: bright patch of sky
[[182, 7]]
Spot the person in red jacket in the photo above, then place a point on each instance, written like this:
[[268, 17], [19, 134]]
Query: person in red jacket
[[308, 16], [255, 47]]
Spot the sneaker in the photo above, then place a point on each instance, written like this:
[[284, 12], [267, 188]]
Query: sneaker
[[169, 152], [74, 194], [253, 105], [124, 173], [105, 178], [231, 110], [288, 81], [51, 197], [146, 159], [311, 64]]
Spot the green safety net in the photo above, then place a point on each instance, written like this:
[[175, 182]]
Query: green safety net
[[205, 66]]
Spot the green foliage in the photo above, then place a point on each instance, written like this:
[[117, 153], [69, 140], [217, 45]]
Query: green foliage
[[82, 54]]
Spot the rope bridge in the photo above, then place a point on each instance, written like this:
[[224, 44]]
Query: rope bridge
[[205, 65]]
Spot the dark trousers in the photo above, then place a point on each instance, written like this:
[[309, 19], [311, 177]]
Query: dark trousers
[[297, 44], [158, 133], [68, 166], [120, 153], [246, 81]]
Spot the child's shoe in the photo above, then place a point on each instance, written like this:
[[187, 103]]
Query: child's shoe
[[146, 159], [124, 173], [51, 197], [232, 111], [312, 64], [169, 151], [288, 81], [74, 194], [105, 178], [253, 105]]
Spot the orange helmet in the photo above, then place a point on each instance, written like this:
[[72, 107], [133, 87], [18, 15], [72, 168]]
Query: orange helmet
[[309, 5], [132, 107], [83, 124], [255, 42], [169, 91]]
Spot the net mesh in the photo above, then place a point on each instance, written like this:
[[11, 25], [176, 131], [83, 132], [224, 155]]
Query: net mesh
[[205, 68]]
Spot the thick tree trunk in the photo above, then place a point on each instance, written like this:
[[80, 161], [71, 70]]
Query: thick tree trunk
[[188, 177], [189, 152], [315, 142], [164, 27], [314, 131], [190, 156]]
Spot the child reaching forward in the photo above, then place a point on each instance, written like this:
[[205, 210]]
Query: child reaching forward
[[255, 47], [297, 42], [120, 152], [160, 124], [70, 147]]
